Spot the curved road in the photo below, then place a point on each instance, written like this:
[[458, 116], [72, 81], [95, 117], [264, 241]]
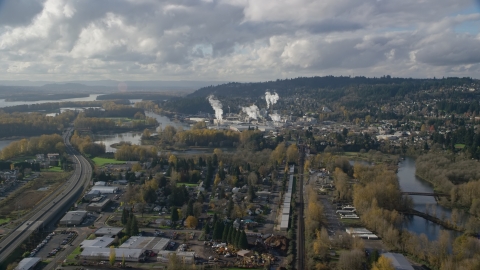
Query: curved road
[[54, 206]]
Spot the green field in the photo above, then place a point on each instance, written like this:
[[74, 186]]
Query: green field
[[102, 161], [459, 146]]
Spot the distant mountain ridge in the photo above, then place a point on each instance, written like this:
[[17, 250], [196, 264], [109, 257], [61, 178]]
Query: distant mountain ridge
[[113, 84]]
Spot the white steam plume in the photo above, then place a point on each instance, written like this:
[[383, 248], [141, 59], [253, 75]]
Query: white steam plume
[[271, 98], [217, 107], [252, 111], [275, 117]]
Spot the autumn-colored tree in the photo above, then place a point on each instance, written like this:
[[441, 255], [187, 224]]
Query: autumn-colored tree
[[383, 263], [292, 154], [191, 222], [172, 159], [217, 179], [112, 257], [136, 167]]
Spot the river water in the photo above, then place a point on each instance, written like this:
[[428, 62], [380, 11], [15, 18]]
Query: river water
[[410, 183], [3, 103]]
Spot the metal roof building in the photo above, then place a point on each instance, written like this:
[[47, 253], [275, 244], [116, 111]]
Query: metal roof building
[[108, 231], [106, 189], [73, 218], [96, 253], [98, 206], [147, 243], [102, 242], [28, 263]]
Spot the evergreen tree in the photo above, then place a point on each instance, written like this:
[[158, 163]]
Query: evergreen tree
[[206, 229], [128, 227], [237, 236], [242, 240], [174, 216], [231, 235], [230, 207], [190, 208], [124, 216], [226, 229], [218, 230], [134, 226]]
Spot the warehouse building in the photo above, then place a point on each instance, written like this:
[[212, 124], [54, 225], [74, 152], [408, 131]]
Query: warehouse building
[[155, 244], [92, 194], [73, 218], [98, 206], [28, 263], [101, 242], [110, 231], [106, 189], [103, 254]]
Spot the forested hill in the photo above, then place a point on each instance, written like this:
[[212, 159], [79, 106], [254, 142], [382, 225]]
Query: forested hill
[[385, 86]]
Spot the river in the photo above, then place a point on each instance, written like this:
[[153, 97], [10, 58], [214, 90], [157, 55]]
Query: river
[[3, 103], [410, 183]]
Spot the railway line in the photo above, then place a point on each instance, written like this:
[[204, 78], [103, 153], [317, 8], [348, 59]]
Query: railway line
[[50, 209]]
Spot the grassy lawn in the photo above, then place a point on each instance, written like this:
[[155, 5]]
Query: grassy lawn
[[75, 252], [4, 220], [53, 169], [187, 184], [351, 222], [102, 161], [459, 146]]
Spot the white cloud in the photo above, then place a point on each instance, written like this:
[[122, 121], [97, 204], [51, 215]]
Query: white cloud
[[236, 39]]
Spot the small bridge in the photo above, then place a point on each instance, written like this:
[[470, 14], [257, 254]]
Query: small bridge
[[425, 194]]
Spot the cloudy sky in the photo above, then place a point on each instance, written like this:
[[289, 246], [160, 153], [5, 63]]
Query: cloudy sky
[[237, 40]]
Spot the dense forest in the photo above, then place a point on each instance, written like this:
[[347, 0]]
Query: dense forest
[[381, 87], [33, 124]]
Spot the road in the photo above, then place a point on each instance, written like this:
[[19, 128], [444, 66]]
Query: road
[[53, 206]]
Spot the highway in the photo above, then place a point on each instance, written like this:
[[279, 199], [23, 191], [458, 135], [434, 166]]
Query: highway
[[53, 207]]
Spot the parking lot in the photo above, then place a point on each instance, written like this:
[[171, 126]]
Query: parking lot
[[55, 242]]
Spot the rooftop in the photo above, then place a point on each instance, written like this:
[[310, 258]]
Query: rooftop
[[103, 242], [108, 231], [74, 216], [143, 242], [28, 263]]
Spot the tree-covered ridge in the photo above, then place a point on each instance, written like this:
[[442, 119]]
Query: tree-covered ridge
[[384, 86]]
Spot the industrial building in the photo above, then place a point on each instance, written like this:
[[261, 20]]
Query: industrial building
[[399, 261], [73, 218], [110, 231], [98, 206], [155, 244], [101, 242], [187, 257], [106, 189], [101, 254], [91, 195], [287, 199], [28, 263]]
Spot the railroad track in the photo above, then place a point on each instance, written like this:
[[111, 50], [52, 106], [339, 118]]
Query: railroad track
[[301, 218], [47, 212]]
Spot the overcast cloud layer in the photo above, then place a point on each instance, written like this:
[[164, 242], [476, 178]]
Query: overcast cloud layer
[[237, 40]]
